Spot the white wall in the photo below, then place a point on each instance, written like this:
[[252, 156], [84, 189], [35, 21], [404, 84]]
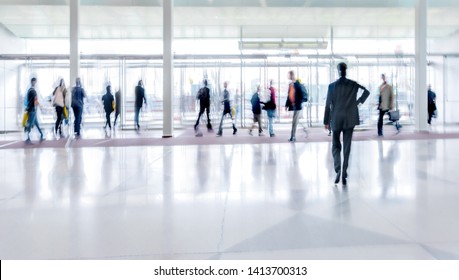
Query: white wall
[[443, 73], [9, 90]]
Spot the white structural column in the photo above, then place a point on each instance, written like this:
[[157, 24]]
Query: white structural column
[[74, 40], [421, 66], [168, 68]]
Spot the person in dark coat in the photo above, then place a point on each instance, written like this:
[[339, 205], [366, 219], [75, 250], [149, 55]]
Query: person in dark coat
[[341, 109], [117, 106], [31, 108], [109, 102], [204, 105], [140, 99], [431, 104], [78, 95], [295, 98], [256, 110], [226, 111]]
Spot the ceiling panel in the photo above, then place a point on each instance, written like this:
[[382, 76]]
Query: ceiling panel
[[244, 3], [42, 21]]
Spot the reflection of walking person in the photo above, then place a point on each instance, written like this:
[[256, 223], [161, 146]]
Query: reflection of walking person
[[78, 95], [341, 110], [431, 104], [204, 105], [256, 110], [109, 102], [140, 99], [117, 106], [226, 110], [32, 103]]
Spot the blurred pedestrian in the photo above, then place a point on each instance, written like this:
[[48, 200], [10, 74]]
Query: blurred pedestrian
[[140, 99], [59, 103], [226, 110], [386, 102], [31, 108], [78, 96], [431, 103], [256, 110], [109, 106], [117, 106], [297, 94], [204, 105], [270, 107]]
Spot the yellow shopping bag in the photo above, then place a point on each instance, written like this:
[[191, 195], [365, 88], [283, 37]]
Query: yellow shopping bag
[[25, 118], [66, 113]]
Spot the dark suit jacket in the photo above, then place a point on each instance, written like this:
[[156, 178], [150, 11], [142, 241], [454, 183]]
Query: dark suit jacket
[[341, 108]]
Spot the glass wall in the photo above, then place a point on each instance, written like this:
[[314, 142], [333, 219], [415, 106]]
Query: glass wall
[[244, 74]]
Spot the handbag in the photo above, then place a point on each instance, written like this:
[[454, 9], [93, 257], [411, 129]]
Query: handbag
[[25, 118], [394, 116], [66, 113]]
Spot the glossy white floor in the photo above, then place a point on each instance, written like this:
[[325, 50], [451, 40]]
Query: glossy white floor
[[231, 202]]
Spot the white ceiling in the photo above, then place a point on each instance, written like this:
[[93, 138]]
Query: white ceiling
[[224, 19]]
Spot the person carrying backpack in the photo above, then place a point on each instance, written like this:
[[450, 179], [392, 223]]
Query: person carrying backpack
[[78, 95], [204, 105], [297, 94]]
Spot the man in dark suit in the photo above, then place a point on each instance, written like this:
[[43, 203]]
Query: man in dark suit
[[342, 111]]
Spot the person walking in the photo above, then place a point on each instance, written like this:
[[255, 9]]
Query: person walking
[[140, 99], [431, 103], [78, 96], [341, 110], [296, 96], [256, 110], [117, 106], [226, 110], [270, 107], [59, 102], [31, 108], [109, 106], [386, 103], [204, 105]]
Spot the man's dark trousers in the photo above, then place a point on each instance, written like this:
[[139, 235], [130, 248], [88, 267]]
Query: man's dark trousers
[[337, 147]]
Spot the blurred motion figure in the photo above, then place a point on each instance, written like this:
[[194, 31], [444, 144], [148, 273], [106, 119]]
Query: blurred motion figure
[[226, 111], [431, 103], [78, 95]]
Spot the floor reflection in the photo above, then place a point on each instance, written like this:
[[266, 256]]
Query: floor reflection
[[230, 201]]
